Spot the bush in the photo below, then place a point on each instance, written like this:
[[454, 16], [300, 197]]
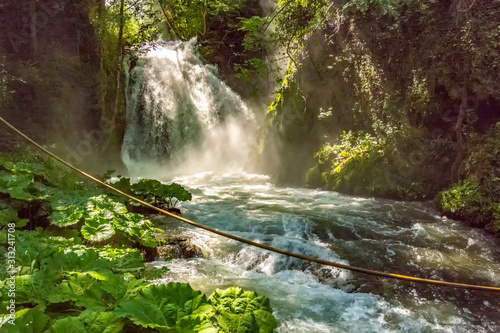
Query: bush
[[476, 198], [66, 278], [398, 168], [154, 192]]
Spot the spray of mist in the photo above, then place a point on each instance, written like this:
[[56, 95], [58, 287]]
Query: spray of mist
[[182, 118]]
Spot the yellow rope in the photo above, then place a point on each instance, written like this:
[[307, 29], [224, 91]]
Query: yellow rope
[[246, 241]]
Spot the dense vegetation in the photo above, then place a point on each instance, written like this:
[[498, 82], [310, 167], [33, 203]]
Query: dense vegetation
[[75, 261], [394, 99], [390, 98]]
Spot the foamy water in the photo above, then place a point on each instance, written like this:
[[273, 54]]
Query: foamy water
[[405, 238]]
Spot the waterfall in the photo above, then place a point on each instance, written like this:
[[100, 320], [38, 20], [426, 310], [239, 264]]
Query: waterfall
[[181, 116]]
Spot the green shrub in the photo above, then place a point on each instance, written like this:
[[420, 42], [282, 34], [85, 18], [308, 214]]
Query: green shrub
[[395, 167], [476, 198], [154, 192], [352, 166], [63, 284], [465, 202], [99, 218]]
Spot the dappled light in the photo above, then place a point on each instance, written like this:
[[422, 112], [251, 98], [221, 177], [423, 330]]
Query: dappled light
[[270, 166]]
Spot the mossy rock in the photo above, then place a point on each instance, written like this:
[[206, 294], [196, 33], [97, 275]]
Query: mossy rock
[[177, 247]]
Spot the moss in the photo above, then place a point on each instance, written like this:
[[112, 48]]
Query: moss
[[314, 178], [395, 71], [353, 166], [363, 164], [475, 200], [465, 202]]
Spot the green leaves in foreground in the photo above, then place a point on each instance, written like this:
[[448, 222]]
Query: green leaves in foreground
[[154, 192], [17, 186], [237, 310], [9, 215], [163, 307], [111, 304], [102, 219], [176, 307], [64, 285]]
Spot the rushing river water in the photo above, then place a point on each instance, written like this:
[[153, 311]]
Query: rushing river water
[[399, 237], [182, 119]]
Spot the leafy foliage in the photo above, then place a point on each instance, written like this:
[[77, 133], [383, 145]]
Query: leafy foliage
[[476, 198], [187, 19], [99, 217], [390, 7], [295, 20], [154, 192], [365, 165], [63, 284], [29, 320], [237, 310], [90, 322], [103, 218], [161, 307], [9, 215]]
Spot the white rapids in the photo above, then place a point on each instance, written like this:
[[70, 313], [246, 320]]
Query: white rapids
[[183, 120], [400, 237]]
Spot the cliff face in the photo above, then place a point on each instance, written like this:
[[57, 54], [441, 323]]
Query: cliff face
[[50, 55], [420, 79]]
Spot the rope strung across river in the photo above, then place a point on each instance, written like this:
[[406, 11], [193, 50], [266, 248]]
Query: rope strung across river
[[249, 242]]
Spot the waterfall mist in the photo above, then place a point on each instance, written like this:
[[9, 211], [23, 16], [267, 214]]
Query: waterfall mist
[[182, 118]]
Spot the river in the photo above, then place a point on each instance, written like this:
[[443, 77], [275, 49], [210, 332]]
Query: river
[[399, 237], [183, 120]]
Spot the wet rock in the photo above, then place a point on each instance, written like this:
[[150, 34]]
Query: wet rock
[[178, 248]]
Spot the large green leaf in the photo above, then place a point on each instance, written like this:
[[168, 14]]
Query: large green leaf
[[122, 260], [74, 262], [242, 311], [147, 186], [9, 215], [98, 229], [138, 228], [179, 192], [238, 323], [81, 288], [105, 203], [24, 167], [30, 320], [16, 185], [68, 325], [122, 184], [90, 322], [33, 246], [122, 289], [161, 307], [102, 322], [68, 209], [195, 323], [35, 288], [67, 217]]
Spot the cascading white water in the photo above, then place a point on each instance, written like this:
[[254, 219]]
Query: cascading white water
[[182, 118], [181, 114], [399, 237]]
